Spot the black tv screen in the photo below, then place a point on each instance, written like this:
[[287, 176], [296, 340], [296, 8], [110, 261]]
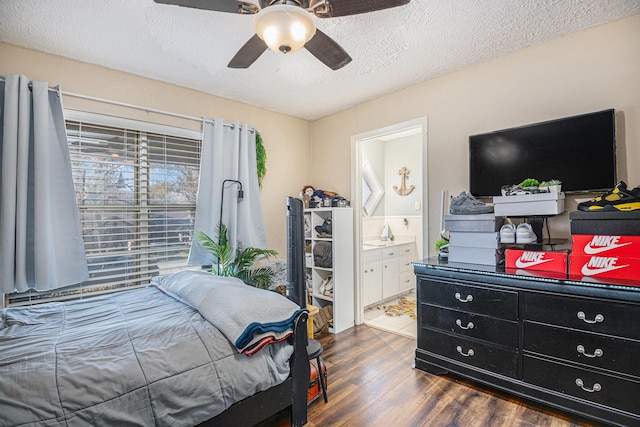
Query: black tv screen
[[580, 151]]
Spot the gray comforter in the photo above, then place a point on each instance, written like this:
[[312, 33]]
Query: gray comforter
[[138, 357]]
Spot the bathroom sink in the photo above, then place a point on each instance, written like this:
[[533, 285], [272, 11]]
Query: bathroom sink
[[375, 243]]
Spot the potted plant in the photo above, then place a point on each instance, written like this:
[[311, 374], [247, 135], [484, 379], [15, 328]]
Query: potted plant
[[555, 185], [238, 264], [530, 184], [442, 246]]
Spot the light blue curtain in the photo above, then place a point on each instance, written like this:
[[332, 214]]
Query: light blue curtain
[[41, 243], [228, 153]]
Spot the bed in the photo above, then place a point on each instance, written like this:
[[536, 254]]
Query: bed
[[190, 349], [151, 357]]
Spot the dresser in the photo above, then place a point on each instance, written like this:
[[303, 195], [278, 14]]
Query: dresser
[[569, 344]]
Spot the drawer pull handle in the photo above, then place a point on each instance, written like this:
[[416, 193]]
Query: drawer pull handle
[[469, 353], [598, 319], [597, 353], [470, 325], [596, 386], [468, 298]]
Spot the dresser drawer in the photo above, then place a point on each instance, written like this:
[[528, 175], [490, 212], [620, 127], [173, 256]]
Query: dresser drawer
[[407, 281], [475, 353], [486, 328], [392, 252], [406, 264], [502, 304], [585, 384], [603, 317], [408, 249], [601, 351]]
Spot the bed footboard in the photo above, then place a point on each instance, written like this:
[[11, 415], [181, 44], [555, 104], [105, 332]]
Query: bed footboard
[[292, 393], [300, 372]]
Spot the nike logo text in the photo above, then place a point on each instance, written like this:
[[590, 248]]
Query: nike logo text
[[599, 265], [601, 244], [529, 259]]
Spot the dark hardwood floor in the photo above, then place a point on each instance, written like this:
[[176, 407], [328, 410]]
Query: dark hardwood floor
[[372, 383]]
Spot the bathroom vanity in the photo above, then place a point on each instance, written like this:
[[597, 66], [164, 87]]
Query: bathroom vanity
[[387, 269]]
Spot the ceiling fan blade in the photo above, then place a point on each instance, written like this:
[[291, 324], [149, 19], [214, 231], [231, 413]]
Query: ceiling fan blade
[[248, 53], [327, 51], [333, 8], [229, 6]]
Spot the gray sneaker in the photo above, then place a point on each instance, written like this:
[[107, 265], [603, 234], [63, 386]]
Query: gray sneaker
[[466, 204]]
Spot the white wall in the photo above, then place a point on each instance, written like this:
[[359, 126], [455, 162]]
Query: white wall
[[386, 158], [286, 139], [403, 152], [590, 70], [587, 71]]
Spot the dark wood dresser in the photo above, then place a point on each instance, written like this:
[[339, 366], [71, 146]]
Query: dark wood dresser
[[569, 344]]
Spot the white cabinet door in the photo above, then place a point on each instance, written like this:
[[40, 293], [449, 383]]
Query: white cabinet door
[[390, 272], [372, 277]]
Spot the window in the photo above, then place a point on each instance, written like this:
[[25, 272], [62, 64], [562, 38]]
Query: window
[[136, 193]]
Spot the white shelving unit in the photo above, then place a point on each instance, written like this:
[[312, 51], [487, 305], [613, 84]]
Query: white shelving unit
[[341, 268]]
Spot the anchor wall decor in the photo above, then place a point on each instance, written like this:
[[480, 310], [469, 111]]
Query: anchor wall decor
[[403, 190]]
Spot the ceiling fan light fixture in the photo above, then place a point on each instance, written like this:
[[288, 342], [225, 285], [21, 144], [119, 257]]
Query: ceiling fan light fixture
[[284, 28]]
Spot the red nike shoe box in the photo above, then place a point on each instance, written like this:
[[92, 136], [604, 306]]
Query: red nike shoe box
[[606, 245], [536, 273], [556, 261], [605, 266]]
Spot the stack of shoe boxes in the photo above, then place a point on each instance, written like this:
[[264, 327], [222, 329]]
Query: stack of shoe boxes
[[474, 239], [605, 245]]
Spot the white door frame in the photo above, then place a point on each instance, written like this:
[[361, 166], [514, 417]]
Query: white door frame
[[356, 197]]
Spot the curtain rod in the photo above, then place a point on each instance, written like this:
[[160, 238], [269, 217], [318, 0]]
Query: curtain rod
[[133, 106], [147, 109]]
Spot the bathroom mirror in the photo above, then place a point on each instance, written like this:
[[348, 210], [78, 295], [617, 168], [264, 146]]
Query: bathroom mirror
[[371, 189]]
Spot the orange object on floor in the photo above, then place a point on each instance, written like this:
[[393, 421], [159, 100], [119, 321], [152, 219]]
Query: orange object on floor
[[315, 386]]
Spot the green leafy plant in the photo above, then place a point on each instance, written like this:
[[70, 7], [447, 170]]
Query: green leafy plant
[[550, 183], [440, 243], [261, 158], [237, 264], [529, 182]]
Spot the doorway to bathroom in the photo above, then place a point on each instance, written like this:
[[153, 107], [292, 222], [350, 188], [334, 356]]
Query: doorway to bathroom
[[389, 190]]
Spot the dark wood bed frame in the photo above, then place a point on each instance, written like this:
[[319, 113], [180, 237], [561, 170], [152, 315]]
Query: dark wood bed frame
[[292, 393]]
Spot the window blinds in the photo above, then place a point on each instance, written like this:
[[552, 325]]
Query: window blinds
[[136, 192]]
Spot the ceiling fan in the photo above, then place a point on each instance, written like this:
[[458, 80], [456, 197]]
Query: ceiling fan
[[286, 25]]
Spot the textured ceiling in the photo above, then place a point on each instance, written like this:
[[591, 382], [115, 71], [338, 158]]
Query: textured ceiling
[[391, 49]]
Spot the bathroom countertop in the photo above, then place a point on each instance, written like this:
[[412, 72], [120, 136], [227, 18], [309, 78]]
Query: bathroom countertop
[[368, 245]]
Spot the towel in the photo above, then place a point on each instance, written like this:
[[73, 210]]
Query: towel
[[249, 317]]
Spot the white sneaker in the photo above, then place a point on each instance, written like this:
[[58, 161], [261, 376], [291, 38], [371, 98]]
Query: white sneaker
[[508, 233], [525, 234], [328, 290]]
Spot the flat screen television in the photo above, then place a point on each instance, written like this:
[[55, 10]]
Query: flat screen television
[[580, 151]]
